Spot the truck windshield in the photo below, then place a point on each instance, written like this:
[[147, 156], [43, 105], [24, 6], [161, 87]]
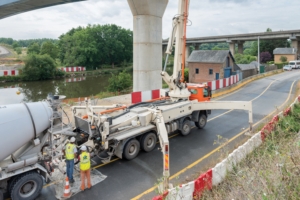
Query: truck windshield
[[193, 91], [292, 63], [205, 92]]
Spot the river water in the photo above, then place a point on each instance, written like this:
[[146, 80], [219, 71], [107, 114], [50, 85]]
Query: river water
[[38, 90]]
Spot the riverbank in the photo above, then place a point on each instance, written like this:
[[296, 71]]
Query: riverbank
[[99, 72]]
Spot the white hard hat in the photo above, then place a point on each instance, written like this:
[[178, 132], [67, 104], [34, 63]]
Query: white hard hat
[[72, 139], [83, 148]]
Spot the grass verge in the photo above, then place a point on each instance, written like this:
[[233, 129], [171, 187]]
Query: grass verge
[[271, 171]]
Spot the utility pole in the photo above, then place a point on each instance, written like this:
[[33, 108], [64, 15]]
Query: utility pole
[[258, 58]]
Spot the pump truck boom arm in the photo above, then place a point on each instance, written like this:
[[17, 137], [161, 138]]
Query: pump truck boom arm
[[178, 89]]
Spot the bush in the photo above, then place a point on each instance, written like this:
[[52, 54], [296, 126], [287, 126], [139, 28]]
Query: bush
[[59, 73], [11, 78], [283, 59], [186, 74], [280, 65], [119, 82], [39, 67]]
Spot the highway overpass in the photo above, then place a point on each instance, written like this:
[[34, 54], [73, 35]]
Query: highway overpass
[[12, 7], [239, 39]]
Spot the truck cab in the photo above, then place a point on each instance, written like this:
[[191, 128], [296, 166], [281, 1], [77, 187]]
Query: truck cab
[[199, 92]]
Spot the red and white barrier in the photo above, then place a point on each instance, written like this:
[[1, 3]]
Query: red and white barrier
[[73, 69], [225, 82], [137, 97], [75, 79], [216, 175], [12, 72]]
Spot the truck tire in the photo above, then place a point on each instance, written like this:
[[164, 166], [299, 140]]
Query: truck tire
[[131, 149], [1, 195], [186, 127], [27, 186], [148, 142], [201, 121]]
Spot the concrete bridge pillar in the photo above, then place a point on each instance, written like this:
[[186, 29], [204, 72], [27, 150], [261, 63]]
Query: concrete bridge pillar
[[241, 47], [197, 46], [296, 45], [232, 47], [147, 43]]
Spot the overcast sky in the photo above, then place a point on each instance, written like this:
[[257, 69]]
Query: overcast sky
[[209, 17]]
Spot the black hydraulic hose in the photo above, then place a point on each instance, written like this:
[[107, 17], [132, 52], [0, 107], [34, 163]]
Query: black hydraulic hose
[[127, 111]]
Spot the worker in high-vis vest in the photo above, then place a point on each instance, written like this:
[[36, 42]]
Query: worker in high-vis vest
[[70, 152], [85, 168]]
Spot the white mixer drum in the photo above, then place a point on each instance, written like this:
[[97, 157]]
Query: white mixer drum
[[20, 123]]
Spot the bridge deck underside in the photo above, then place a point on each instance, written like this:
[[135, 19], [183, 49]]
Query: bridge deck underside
[[20, 6]]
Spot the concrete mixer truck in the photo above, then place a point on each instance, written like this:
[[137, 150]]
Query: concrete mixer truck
[[28, 144]]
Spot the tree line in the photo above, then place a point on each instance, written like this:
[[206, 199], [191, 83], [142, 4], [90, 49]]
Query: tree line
[[92, 47]]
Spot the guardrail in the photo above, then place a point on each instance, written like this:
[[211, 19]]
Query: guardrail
[[217, 174]]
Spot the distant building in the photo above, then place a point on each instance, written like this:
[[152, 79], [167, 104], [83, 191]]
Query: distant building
[[289, 53], [210, 65], [249, 69]]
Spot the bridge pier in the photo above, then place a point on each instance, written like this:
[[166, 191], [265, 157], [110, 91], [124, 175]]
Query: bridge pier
[[197, 46], [240, 47], [147, 42], [296, 45], [232, 48]]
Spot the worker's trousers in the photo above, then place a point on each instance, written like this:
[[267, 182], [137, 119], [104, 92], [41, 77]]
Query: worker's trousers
[[85, 175]]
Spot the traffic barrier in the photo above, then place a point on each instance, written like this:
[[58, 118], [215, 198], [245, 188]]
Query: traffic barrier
[[222, 83], [12, 72], [216, 175], [73, 69], [137, 97], [184, 192]]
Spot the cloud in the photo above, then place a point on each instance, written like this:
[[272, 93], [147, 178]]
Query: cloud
[[208, 17]]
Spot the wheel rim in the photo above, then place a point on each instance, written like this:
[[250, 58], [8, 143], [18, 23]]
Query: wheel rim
[[186, 128], [202, 121], [132, 149], [150, 142], [27, 189]]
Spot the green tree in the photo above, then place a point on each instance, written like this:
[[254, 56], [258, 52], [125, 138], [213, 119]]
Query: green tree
[[244, 59], [15, 45], [283, 59], [269, 45], [119, 82], [96, 45], [186, 74], [50, 49], [34, 48], [18, 50], [39, 67]]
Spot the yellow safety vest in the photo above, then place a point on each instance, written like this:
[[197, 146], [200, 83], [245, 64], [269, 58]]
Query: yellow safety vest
[[85, 163], [70, 151]]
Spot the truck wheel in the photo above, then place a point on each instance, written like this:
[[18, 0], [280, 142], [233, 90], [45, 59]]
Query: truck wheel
[[131, 149], [201, 121], [1, 195], [186, 127], [148, 142], [27, 186]]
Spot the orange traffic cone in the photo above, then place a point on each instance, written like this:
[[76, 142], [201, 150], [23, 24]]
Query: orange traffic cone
[[67, 192]]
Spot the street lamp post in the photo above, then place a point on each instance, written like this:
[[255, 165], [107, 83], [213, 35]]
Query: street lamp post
[[258, 58]]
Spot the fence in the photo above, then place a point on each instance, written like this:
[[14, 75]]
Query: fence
[[73, 69]]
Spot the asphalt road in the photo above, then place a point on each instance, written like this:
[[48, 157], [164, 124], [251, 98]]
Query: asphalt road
[[127, 179], [3, 52]]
